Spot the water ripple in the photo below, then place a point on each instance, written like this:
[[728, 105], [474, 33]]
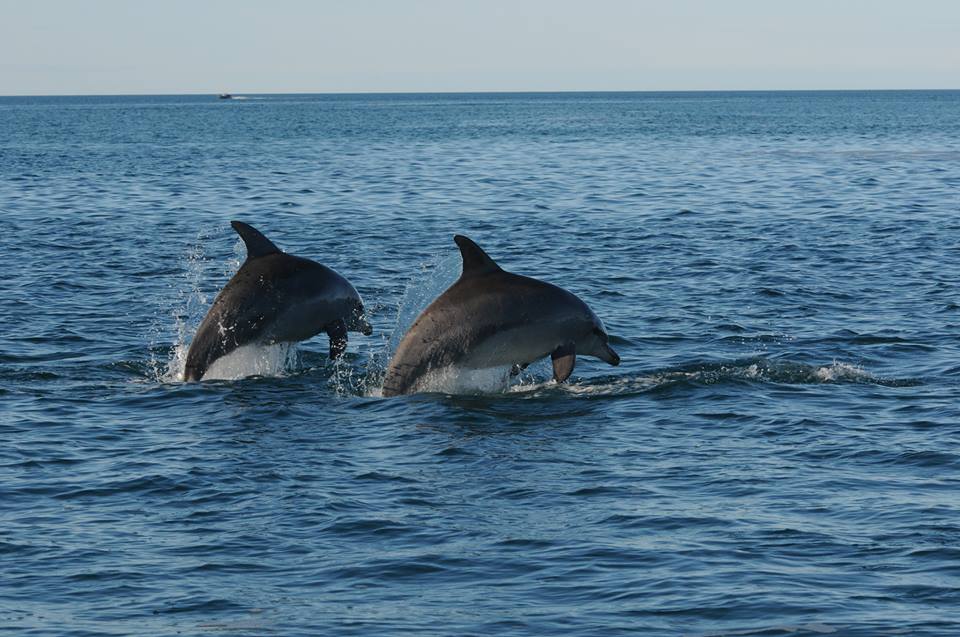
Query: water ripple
[[777, 453]]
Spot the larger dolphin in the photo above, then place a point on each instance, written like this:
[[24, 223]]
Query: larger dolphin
[[275, 297], [492, 318]]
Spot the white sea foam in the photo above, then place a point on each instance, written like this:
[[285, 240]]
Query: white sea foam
[[766, 371], [838, 372]]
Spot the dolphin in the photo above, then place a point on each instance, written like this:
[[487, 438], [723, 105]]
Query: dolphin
[[492, 318], [275, 297]]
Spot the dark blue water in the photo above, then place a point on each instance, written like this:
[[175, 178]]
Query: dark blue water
[[779, 452]]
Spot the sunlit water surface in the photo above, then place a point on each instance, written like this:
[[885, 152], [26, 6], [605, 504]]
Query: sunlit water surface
[[777, 454]]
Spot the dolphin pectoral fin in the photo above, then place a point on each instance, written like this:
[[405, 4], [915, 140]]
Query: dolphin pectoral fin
[[365, 328], [337, 331], [564, 359]]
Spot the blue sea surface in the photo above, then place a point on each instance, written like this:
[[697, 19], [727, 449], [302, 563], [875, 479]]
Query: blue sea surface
[[777, 454]]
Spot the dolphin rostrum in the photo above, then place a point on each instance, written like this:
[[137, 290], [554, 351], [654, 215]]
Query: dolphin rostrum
[[492, 318], [275, 297]]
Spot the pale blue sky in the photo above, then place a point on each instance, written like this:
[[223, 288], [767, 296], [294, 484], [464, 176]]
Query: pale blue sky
[[242, 46]]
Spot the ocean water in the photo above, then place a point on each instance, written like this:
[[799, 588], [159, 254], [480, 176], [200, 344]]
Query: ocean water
[[777, 454]]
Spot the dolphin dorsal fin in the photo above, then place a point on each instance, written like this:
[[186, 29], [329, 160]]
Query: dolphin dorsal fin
[[475, 260], [257, 244]]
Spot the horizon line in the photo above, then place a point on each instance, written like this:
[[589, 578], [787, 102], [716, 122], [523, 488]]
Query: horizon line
[[491, 91]]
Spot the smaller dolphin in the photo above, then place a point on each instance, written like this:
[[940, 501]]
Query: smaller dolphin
[[492, 318], [275, 297]]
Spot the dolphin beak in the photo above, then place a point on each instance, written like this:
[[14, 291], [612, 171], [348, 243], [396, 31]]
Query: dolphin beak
[[608, 355]]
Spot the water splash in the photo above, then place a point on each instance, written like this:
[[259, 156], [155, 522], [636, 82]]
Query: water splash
[[434, 278], [755, 370], [188, 310], [788, 372], [456, 380], [346, 379], [193, 302]]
